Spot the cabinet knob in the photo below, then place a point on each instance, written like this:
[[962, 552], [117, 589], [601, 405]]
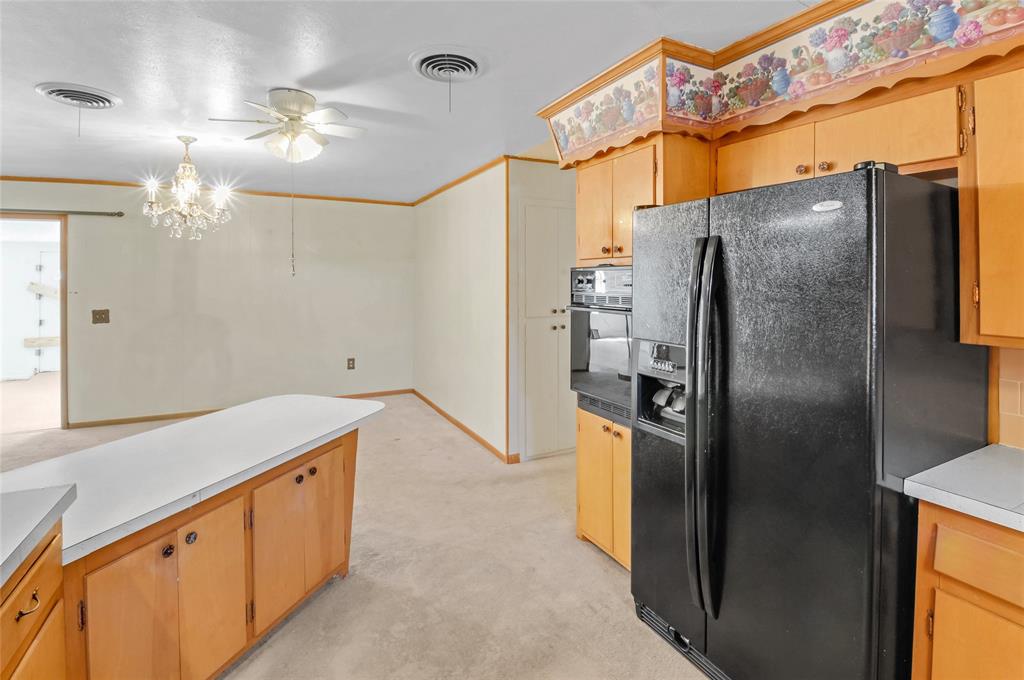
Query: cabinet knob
[[619, 249], [554, 311], [562, 326], [191, 537], [554, 328], [563, 310], [825, 166], [167, 551], [299, 479], [616, 433], [801, 169], [312, 471], [605, 428], [605, 250]]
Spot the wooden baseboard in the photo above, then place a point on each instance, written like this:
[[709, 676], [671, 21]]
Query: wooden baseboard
[[139, 419], [510, 459], [371, 395]]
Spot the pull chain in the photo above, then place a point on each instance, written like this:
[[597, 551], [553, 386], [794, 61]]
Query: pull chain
[[292, 168], [80, 120]]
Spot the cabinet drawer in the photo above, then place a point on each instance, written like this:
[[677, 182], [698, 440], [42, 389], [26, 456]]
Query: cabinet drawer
[[44, 659], [993, 568], [40, 587]]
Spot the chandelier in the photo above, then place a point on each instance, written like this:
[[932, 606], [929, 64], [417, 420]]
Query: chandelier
[[184, 213]]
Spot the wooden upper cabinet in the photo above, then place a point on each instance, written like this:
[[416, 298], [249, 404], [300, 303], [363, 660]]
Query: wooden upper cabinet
[[211, 589], [594, 211], [132, 627], [913, 130], [633, 184], [774, 158], [278, 554], [594, 478], [622, 462], [324, 516], [999, 135], [44, 658]]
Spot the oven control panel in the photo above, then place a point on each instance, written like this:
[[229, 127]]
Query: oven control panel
[[603, 287]]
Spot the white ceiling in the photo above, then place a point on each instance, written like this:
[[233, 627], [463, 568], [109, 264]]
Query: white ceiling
[[177, 63]]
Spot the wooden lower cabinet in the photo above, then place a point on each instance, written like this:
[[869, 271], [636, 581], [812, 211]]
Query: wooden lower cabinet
[[603, 450], [44, 659], [173, 601], [969, 609]]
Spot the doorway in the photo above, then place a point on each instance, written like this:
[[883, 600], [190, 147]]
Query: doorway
[[33, 351]]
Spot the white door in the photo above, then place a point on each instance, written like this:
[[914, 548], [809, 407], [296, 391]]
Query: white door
[[49, 309], [549, 252]]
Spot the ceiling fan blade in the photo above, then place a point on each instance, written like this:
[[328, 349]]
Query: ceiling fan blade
[[325, 115], [243, 120], [264, 133], [267, 109], [341, 130]]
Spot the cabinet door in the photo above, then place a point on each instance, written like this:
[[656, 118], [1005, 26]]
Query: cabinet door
[[543, 284], [565, 433], [622, 446], [132, 605], [594, 211], [632, 185], [778, 157], [913, 130], [44, 659], [594, 478], [998, 103], [278, 551], [211, 589], [325, 516], [972, 642], [542, 378]]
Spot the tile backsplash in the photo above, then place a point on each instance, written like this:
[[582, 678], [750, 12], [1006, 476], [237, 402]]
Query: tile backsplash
[[1011, 397]]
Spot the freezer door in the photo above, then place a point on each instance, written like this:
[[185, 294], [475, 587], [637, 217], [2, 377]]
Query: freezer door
[[792, 557], [662, 245]]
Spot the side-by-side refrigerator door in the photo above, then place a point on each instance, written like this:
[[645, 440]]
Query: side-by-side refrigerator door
[[788, 467], [668, 246]]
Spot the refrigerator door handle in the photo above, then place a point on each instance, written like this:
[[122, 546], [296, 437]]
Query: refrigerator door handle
[[690, 445], [702, 459]]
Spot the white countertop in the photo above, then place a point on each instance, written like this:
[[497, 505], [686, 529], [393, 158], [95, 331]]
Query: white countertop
[[987, 484], [25, 517], [131, 483]]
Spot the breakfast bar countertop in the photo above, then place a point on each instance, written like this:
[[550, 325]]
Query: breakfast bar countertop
[[129, 484], [27, 517], [987, 484]]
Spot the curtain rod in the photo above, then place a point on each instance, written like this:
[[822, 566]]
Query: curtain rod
[[92, 213]]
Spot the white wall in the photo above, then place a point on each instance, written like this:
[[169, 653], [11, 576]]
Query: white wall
[[460, 303], [530, 183], [198, 325]]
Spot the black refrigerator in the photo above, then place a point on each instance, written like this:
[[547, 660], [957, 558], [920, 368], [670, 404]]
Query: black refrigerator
[[795, 357]]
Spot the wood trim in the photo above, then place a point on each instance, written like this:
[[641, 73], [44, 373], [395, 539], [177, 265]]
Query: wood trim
[[69, 180], [514, 458], [528, 159], [508, 293], [783, 29], [459, 180], [140, 419], [371, 395], [63, 295]]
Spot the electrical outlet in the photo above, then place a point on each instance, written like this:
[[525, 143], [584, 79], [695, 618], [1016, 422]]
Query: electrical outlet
[[351, 363], [101, 316]]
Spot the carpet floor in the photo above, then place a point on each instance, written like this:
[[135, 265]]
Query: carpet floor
[[461, 567]]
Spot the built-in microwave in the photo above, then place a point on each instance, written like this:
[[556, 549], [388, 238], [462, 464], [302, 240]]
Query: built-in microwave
[[601, 305]]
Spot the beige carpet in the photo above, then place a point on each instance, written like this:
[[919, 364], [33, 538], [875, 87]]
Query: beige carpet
[[32, 404], [463, 567]]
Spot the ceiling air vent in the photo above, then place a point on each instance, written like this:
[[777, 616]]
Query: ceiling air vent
[[80, 96], [446, 64]]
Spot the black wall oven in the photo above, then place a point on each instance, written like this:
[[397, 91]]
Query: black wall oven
[[602, 302]]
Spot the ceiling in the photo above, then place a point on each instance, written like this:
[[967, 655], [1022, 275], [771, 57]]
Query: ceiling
[[177, 63]]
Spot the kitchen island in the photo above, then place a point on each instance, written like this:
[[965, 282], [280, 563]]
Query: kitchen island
[[189, 542]]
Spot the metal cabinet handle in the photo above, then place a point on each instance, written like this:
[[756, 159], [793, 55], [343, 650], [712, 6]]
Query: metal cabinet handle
[[312, 471], [605, 428], [801, 169], [167, 551], [191, 537], [25, 612], [825, 166], [299, 479], [605, 250]]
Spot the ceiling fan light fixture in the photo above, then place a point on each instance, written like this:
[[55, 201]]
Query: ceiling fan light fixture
[[294, 148]]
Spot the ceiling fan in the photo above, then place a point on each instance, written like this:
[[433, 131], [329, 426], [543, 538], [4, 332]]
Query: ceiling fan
[[300, 129]]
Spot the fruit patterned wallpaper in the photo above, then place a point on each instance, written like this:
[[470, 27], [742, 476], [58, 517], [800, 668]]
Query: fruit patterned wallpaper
[[875, 39]]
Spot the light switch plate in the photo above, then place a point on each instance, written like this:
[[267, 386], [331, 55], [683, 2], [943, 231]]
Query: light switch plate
[[101, 316]]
